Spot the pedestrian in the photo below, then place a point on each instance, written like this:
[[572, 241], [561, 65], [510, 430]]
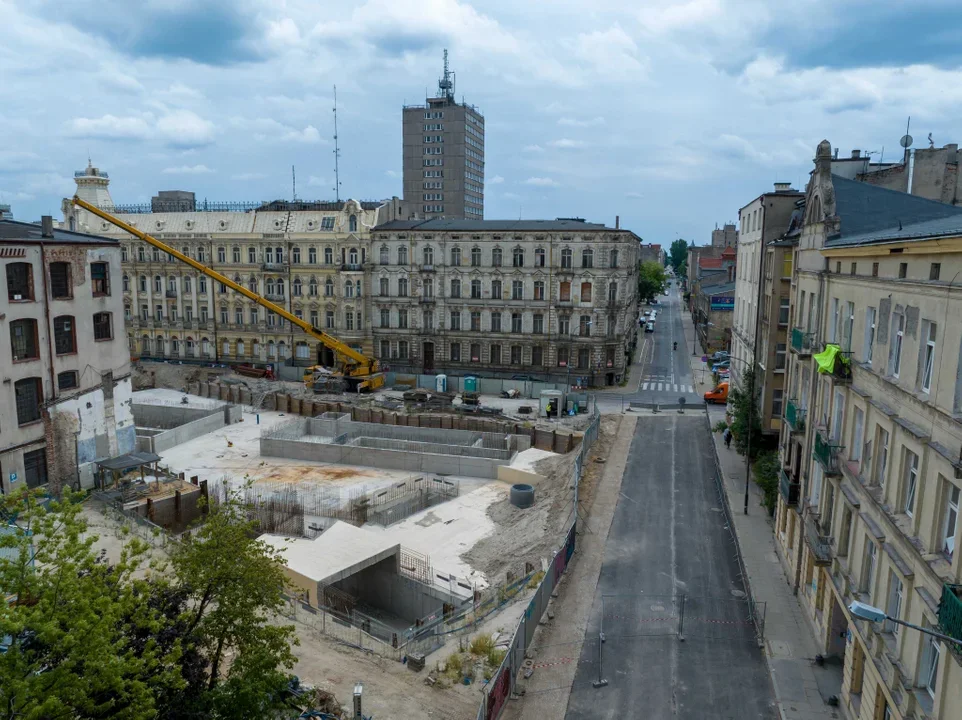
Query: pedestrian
[[728, 438]]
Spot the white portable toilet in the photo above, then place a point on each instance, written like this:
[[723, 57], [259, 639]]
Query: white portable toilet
[[441, 383], [555, 398]]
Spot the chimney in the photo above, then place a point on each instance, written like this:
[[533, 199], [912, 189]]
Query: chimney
[[617, 222], [46, 226], [856, 154]]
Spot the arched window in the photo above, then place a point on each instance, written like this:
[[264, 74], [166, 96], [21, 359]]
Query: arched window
[[205, 346], [517, 257], [255, 349], [312, 287], [126, 284], [159, 345], [352, 223], [428, 255], [352, 256], [145, 344], [269, 285], [280, 286], [349, 289], [296, 287], [143, 283], [329, 288], [282, 349], [240, 348], [158, 284], [587, 258], [271, 349], [252, 284], [174, 346]]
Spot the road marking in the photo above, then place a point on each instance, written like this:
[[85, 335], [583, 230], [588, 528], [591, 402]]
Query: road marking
[[627, 498], [645, 386]]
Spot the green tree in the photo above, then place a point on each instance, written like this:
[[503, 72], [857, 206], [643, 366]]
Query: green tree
[[678, 254], [766, 475], [71, 620], [746, 425], [651, 280]]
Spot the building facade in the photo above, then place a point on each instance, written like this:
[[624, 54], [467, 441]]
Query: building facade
[[871, 474], [311, 258], [554, 300], [651, 253], [724, 236], [67, 379], [763, 219], [443, 155]]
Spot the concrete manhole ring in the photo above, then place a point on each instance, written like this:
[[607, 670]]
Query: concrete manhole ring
[[738, 593], [658, 608]]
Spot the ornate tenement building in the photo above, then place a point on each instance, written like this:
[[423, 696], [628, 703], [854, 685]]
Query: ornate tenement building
[[871, 472], [550, 299], [311, 258]]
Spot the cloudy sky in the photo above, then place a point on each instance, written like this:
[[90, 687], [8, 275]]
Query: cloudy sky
[[670, 114]]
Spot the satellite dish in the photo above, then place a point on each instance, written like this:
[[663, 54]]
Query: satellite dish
[[906, 141]]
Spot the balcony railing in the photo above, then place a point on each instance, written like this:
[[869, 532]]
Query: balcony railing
[[801, 341], [827, 454], [789, 487], [950, 612], [821, 545], [795, 416], [274, 266], [171, 293], [842, 371]]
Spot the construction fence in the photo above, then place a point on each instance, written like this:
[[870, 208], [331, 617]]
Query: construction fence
[[496, 693]]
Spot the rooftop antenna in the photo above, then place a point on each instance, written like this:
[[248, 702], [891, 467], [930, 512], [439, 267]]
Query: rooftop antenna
[[446, 83], [293, 184], [931, 141], [337, 154], [906, 141]]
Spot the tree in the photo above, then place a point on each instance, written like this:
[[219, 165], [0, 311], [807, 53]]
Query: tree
[[651, 280], [73, 618], [746, 424], [766, 475], [678, 254]]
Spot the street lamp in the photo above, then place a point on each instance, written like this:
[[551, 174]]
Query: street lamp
[[873, 614], [695, 327], [751, 405]]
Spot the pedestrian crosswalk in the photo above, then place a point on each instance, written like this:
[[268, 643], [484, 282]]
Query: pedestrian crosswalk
[[661, 383]]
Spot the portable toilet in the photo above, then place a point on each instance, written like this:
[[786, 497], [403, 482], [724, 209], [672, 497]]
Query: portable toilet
[[470, 384], [551, 404], [441, 383]]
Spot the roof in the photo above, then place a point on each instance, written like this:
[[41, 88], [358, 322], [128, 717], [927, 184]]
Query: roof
[[339, 552], [726, 289], [456, 225], [869, 213], [710, 262], [729, 252], [134, 459], [21, 232]]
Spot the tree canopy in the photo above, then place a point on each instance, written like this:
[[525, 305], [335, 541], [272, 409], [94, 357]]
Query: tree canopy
[[651, 280], [746, 422], [678, 255]]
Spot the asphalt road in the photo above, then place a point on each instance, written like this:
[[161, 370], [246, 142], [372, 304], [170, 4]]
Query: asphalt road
[[668, 541]]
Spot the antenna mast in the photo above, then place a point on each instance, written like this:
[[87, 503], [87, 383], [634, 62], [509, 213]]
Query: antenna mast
[[337, 154], [446, 83], [293, 184]]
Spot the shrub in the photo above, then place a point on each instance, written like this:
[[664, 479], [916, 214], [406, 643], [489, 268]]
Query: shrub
[[481, 645]]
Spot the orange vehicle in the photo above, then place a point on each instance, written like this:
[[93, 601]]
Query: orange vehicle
[[719, 394]]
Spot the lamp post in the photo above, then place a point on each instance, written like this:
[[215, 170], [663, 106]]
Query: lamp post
[[751, 407], [873, 614]]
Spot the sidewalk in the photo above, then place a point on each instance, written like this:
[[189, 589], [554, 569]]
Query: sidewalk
[[789, 644]]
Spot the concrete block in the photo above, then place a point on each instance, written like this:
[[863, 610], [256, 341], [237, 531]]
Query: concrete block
[[282, 400], [245, 397], [224, 392], [295, 405], [270, 402]]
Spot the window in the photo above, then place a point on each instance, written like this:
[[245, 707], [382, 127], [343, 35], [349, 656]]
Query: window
[[895, 354], [402, 349], [613, 259], [881, 462], [564, 325], [833, 327], [516, 320], [868, 567], [352, 257], [156, 254], [563, 356], [538, 324], [852, 268], [612, 292], [383, 255], [869, 343], [455, 320], [141, 254], [427, 320], [158, 284], [475, 289], [327, 223], [858, 432], [586, 292], [455, 288], [517, 290], [385, 348], [455, 352], [35, 467], [296, 259], [254, 315], [848, 326], [539, 289], [349, 289], [314, 318], [221, 255], [515, 354], [67, 380], [564, 292], [496, 257], [928, 354], [65, 335], [202, 285], [475, 257], [495, 289], [929, 672], [893, 607], [455, 256], [495, 353], [428, 255], [103, 329], [329, 255], [427, 289], [239, 316], [20, 281], [348, 320], [951, 521], [23, 340], [475, 352], [476, 321], [777, 403], [29, 394], [874, 269], [838, 267], [383, 287], [142, 282], [539, 257], [496, 322], [537, 356], [587, 258], [329, 319], [584, 326], [903, 270], [402, 255], [312, 287], [329, 288], [296, 287], [517, 257], [269, 255], [566, 259], [910, 481], [584, 358], [402, 318], [934, 270]]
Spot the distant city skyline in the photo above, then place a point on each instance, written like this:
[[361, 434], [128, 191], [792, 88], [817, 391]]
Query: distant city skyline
[[669, 117]]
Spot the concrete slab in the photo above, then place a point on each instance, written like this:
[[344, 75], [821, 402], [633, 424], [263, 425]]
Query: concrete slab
[[166, 396]]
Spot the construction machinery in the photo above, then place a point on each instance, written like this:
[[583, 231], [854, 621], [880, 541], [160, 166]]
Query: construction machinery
[[355, 370]]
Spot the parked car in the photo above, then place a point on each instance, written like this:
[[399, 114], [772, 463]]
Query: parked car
[[718, 356], [650, 327], [723, 365], [718, 395]]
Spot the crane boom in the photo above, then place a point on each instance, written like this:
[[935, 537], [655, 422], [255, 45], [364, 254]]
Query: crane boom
[[356, 364]]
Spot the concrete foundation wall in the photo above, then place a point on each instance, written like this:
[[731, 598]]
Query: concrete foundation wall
[[382, 587], [202, 422], [516, 477]]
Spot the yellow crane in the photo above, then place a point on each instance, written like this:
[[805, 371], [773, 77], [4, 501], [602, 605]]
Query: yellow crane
[[358, 370]]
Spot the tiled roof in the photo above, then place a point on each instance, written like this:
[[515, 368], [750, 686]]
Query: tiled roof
[[710, 262], [13, 231], [455, 225]]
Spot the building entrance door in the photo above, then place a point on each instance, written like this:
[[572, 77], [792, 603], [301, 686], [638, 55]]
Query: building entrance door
[[428, 357]]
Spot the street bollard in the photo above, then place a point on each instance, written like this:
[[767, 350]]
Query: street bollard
[[681, 620], [600, 682]]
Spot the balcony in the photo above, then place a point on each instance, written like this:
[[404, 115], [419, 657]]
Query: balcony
[[274, 266], [171, 293], [352, 267], [790, 488], [802, 341], [950, 612], [426, 268], [427, 299], [827, 455], [274, 297], [820, 545], [795, 416]]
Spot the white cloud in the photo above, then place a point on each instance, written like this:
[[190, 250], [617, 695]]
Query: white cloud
[[634, 195], [496, 180], [511, 196], [185, 91], [180, 128], [541, 182], [110, 127], [314, 181], [611, 54], [183, 128], [566, 143], [392, 173], [243, 177], [574, 122], [307, 135], [187, 170], [533, 148], [267, 130]]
